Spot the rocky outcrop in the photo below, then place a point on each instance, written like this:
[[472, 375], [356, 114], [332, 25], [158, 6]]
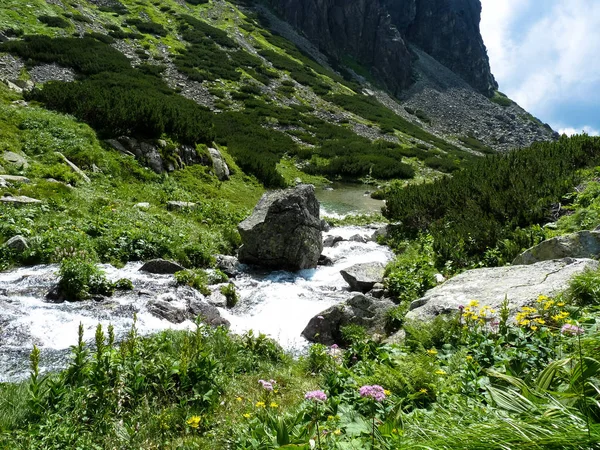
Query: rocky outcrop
[[219, 165], [17, 243], [15, 159], [181, 206], [229, 265], [284, 230], [362, 310], [186, 305], [584, 244], [377, 34], [159, 155], [362, 277], [161, 266], [19, 200], [521, 285]]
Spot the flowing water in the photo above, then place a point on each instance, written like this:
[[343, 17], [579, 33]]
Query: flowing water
[[279, 304], [340, 199]]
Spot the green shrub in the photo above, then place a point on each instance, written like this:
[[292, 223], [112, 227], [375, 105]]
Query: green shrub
[[54, 21], [148, 27], [198, 279], [584, 288], [230, 294], [79, 279], [124, 284]]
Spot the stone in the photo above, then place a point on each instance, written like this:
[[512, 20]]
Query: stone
[[74, 168], [15, 159], [584, 244], [330, 241], [216, 298], [181, 206], [284, 230], [13, 87], [219, 165], [325, 328], [167, 311], [15, 179], [19, 200], [325, 226], [151, 156], [119, 147], [208, 313], [521, 285], [362, 277], [229, 265], [161, 266], [325, 261], [26, 85], [142, 205], [17, 243], [439, 278], [381, 233], [358, 238]]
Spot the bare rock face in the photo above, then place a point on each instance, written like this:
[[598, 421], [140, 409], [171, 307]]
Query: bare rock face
[[362, 277], [377, 34], [284, 230], [584, 244], [521, 285]]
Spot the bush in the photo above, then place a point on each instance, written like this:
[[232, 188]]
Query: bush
[[198, 279], [54, 21], [80, 279], [230, 294], [584, 288], [148, 27]]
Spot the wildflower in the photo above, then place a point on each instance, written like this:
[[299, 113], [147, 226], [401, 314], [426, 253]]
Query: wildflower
[[423, 391], [473, 303], [469, 358], [539, 321], [542, 299], [247, 415], [267, 385], [330, 418], [533, 328], [194, 421], [440, 372], [337, 432], [316, 396], [560, 304], [571, 329], [375, 392], [334, 347], [260, 404], [274, 405], [387, 392], [432, 351], [239, 399]]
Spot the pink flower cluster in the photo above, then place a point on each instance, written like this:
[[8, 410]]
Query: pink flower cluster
[[375, 392], [573, 330], [267, 385], [316, 396]]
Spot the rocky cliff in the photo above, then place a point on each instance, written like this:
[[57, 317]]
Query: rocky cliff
[[378, 34]]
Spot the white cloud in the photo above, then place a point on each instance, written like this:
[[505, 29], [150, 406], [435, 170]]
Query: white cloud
[[570, 131], [545, 54]]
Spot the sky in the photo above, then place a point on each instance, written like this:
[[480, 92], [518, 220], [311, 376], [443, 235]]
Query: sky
[[545, 55]]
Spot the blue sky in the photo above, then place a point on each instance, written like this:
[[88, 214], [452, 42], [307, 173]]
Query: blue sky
[[545, 55]]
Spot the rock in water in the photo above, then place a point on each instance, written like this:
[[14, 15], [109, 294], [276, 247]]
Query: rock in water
[[362, 310], [284, 230], [585, 244], [161, 266], [520, 284], [362, 277]]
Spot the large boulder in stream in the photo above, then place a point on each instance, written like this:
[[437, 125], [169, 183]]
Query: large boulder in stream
[[284, 230], [521, 285], [360, 309], [584, 244], [362, 277]]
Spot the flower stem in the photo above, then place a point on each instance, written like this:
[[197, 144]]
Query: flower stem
[[583, 383]]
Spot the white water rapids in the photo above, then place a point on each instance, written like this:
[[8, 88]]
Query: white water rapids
[[279, 304]]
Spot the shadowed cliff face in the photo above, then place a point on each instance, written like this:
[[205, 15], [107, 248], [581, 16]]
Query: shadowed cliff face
[[376, 34]]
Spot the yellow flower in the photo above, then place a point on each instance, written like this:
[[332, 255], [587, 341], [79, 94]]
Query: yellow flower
[[260, 404], [247, 415], [194, 421], [473, 304], [387, 392], [542, 298], [394, 431], [337, 432], [432, 351], [534, 328], [239, 399], [440, 372], [273, 405], [423, 391], [469, 358], [539, 321], [560, 304], [330, 417]]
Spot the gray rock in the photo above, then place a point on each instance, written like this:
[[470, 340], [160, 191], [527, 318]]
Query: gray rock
[[74, 168], [219, 165], [521, 285], [362, 277], [26, 85], [382, 233], [167, 311], [142, 205], [161, 266], [13, 87], [358, 238], [330, 241], [362, 310], [119, 147], [584, 244], [151, 157], [377, 293], [284, 230], [15, 179], [19, 200], [208, 313], [325, 261], [216, 298], [181, 206], [325, 227], [17, 243], [15, 159], [229, 265]]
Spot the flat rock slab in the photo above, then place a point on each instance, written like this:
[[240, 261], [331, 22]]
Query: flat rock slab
[[522, 285], [584, 244], [362, 277], [161, 266], [181, 206], [15, 179], [20, 200]]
